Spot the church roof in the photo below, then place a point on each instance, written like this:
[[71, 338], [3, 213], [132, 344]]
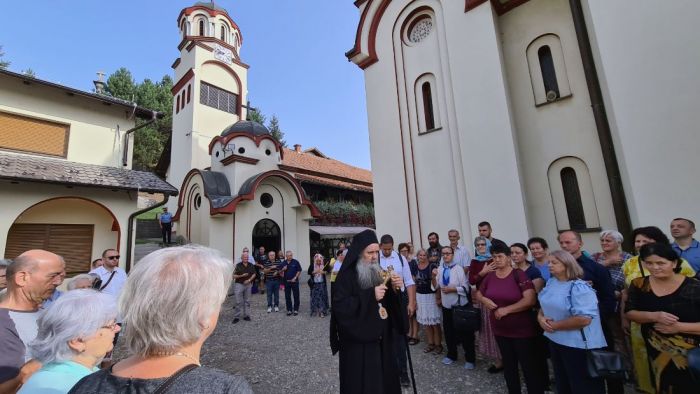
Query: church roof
[[40, 169], [216, 188], [210, 5], [246, 126], [309, 167]]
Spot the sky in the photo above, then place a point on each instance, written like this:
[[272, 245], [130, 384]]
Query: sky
[[295, 49]]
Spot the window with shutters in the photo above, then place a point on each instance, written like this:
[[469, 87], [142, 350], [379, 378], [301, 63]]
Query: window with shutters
[[572, 199], [218, 98], [25, 134], [73, 242]]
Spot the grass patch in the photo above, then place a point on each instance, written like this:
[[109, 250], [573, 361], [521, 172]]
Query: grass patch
[[152, 214]]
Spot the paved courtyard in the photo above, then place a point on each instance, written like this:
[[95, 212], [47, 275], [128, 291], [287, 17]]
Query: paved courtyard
[[281, 354]]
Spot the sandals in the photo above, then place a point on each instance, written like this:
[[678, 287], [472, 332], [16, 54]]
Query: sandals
[[429, 348], [438, 349], [413, 341]]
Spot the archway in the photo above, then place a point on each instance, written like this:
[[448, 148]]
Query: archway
[[267, 233]]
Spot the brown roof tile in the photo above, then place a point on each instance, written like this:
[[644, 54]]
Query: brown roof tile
[[310, 167], [32, 168]]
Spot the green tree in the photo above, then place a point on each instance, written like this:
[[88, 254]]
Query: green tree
[[3, 63], [277, 133], [122, 85], [149, 141], [29, 72], [255, 115]]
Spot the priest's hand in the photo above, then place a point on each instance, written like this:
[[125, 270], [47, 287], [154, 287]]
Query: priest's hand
[[379, 292], [396, 281]]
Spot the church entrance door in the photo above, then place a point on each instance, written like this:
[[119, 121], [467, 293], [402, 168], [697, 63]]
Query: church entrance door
[[267, 233]]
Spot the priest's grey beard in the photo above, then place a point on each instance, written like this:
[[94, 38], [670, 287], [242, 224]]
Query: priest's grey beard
[[368, 275]]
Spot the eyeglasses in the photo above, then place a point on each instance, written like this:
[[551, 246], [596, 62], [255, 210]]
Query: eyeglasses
[[111, 326], [480, 244], [114, 257]]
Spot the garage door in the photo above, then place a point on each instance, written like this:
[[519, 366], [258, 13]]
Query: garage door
[[73, 242]]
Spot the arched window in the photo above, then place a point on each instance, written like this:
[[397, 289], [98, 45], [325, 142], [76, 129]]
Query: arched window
[[189, 91], [545, 60], [549, 74], [428, 106], [182, 98], [177, 105], [201, 27], [223, 33], [572, 199]]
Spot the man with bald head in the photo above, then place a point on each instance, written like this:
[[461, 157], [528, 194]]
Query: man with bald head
[[31, 278]]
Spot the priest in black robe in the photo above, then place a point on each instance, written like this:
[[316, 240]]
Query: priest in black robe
[[364, 339]]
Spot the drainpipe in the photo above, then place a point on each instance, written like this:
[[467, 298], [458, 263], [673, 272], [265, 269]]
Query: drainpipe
[[130, 233], [125, 155], [612, 168]]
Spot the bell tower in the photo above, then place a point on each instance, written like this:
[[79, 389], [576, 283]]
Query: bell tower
[[211, 86]]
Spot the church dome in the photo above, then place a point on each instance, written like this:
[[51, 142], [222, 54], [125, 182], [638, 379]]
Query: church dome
[[210, 5], [248, 127]]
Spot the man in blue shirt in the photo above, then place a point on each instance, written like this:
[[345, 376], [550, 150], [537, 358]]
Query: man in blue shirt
[[600, 278], [292, 271], [165, 220], [684, 244]]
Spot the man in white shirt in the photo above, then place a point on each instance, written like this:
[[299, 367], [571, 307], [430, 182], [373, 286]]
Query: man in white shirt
[[461, 256], [389, 257], [113, 280]]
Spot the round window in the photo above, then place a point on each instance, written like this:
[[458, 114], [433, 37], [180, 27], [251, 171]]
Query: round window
[[268, 152], [266, 200], [420, 29], [241, 150], [197, 201]]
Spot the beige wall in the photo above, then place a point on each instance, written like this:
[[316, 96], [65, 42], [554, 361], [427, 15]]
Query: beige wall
[[16, 199], [96, 130], [556, 131], [647, 57]]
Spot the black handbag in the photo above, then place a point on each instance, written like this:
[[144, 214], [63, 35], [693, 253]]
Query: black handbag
[[466, 317], [603, 363]]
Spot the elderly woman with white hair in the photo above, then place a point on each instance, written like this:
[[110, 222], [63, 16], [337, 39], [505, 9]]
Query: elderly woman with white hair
[[170, 304], [612, 257], [74, 335], [81, 281]]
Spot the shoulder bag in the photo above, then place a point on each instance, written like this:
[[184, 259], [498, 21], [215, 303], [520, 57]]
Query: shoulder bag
[[165, 386], [466, 317], [602, 363]]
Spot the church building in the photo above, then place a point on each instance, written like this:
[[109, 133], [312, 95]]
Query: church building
[[238, 186], [535, 115]]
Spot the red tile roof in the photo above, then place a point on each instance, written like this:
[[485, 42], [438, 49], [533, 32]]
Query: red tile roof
[[308, 166]]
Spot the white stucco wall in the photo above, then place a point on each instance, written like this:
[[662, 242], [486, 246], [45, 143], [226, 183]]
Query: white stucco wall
[[96, 130], [647, 57], [546, 133], [17, 198]]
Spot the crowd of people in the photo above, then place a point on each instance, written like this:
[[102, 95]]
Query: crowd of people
[[534, 307], [537, 307]]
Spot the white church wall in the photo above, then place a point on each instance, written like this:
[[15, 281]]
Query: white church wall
[[221, 235], [483, 120], [647, 57], [550, 131]]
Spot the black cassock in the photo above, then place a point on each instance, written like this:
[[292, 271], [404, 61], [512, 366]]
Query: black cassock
[[365, 341]]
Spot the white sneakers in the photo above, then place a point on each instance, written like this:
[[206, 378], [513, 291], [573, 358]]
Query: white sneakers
[[269, 309], [277, 309]]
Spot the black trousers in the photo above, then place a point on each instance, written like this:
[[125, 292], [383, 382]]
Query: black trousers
[[167, 231], [570, 371], [454, 338], [522, 351], [400, 350], [289, 289]]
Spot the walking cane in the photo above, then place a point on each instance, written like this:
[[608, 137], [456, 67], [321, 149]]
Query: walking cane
[[410, 365]]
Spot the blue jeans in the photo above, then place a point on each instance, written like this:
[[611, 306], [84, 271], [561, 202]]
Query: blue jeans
[[272, 287]]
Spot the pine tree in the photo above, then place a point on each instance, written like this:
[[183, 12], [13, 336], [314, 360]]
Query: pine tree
[[277, 133], [3, 63]]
